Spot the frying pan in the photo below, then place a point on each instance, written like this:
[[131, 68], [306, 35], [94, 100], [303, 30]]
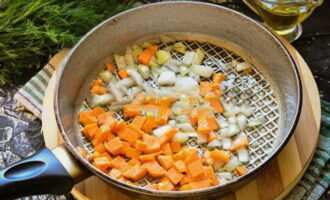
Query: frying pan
[[222, 34]]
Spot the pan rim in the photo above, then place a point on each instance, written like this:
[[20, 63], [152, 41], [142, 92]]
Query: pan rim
[[198, 191]]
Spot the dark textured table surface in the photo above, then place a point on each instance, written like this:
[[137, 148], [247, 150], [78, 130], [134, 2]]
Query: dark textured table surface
[[20, 131]]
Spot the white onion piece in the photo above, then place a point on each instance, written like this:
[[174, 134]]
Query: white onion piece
[[198, 58], [137, 78], [226, 143], [214, 143], [167, 78], [181, 137], [144, 71], [191, 134], [186, 127], [243, 155], [222, 122], [106, 76], [217, 165], [173, 65], [115, 91], [246, 110], [225, 175], [185, 84], [129, 60], [160, 131], [202, 70], [120, 61], [201, 139], [241, 122], [172, 123], [188, 57], [181, 104], [231, 164], [243, 66], [102, 100], [182, 119], [255, 122], [134, 91], [232, 120], [126, 82], [230, 131]]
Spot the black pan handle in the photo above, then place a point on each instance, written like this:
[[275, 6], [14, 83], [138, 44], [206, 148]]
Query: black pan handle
[[41, 173]]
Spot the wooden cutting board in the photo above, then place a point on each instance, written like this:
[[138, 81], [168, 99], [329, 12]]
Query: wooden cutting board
[[273, 182]]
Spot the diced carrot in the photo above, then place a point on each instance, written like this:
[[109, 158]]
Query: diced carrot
[[147, 157], [116, 162], [146, 56], [94, 155], [185, 187], [153, 48], [220, 155], [218, 77], [166, 148], [154, 169], [195, 168], [135, 173], [119, 125], [180, 166], [130, 182], [214, 101], [194, 117], [114, 146], [90, 130], [203, 126], [241, 171], [135, 130], [140, 145], [101, 135], [105, 154], [128, 135], [166, 137], [211, 136], [190, 157], [248, 71], [98, 90], [134, 162], [105, 118], [164, 110], [110, 136], [102, 163], [110, 67], [81, 151], [201, 184], [132, 153], [152, 187], [138, 121], [85, 118], [123, 73], [185, 180], [100, 148], [179, 156], [193, 101], [165, 161], [207, 158], [212, 122], [209, 174], [175, 146], [174, 175], [149, 124], [132, 110], [152, 142], [124, 166], [126, 146], [239, 143], [115, 173], [165, 186]]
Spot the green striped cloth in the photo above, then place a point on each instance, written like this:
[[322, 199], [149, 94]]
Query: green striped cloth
[[31, 95], [313, 184]]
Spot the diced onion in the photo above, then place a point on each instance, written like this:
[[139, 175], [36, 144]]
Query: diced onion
[[222, 122], [126, 82], [120, 61], [243, 66], [241, 122], [202, 70], [214, 143], [255, 122], [179, 47], [129, 60], [161, 130], [183, 70], [181, 137], [217, 165], [188, 57], [166, 78], [144, 71], [232, 120], [102, 100], [225, 175], [182, 119], [201, 139], [191, 134], [231, 164], [185, 84], [243, 155], [226, 143], [198, 58], [185, 127], [162, 57], [230, 131], [106, 76]]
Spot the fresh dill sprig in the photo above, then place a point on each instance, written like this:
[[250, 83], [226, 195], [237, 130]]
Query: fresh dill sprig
[[34, 30]]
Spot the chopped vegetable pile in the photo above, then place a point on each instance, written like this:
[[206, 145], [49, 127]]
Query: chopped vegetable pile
[[145, 108]]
